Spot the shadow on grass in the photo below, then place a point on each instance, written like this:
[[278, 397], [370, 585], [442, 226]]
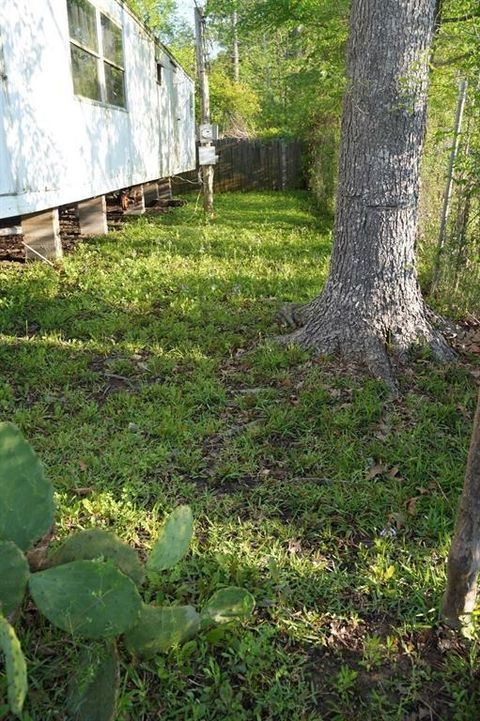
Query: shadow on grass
[[139, 373]]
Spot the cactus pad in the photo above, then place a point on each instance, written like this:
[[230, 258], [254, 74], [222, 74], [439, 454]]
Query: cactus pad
[[26, 497], [227, 605], [15, 665], [93, 690], [174, 540], [14, 575], [92, 599], [161, 628], [97, 543]]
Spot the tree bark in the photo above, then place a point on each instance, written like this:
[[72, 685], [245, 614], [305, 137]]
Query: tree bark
[[464, 557], [235, 48], [372, 304]]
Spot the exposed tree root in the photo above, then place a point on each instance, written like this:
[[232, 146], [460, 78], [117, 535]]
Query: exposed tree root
[[380, 340]]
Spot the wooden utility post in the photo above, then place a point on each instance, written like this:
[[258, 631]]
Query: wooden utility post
[[207, 170]]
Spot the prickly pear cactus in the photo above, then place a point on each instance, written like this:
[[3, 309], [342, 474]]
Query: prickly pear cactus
[[26, 497], [161, 628], [93, 690], [92, 599], [173, 541], [227, 605], [99, 543], [16, 668], [14, 574]]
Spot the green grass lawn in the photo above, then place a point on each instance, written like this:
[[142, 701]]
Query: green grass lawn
[[142, 372]]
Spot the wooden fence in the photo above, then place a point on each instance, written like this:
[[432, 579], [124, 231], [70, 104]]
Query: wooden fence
[[276, 164]]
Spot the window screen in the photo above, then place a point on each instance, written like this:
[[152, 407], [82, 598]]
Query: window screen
[[112, 41], [82, 22], [85, 73], [113, 62], [115, 94]]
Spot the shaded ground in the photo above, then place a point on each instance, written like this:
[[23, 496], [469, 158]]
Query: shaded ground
[[142, 372], [12, 248]]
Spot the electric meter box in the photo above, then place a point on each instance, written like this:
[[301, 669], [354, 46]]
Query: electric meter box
[[207, 133], [207, 155]]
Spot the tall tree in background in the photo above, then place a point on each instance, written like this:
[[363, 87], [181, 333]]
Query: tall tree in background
[[372, 304], [157, 14]]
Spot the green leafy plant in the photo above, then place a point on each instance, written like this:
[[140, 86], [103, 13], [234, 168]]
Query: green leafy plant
[[89, 586]]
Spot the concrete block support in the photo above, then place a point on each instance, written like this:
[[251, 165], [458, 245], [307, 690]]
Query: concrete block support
[[165, 190], [136, 205], [41, 234], [92, 216], [150, 193]]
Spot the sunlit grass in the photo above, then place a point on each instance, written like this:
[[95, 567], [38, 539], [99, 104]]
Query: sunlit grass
[[143, 372]]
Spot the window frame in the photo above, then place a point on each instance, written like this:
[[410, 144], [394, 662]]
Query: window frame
[[101, 60]]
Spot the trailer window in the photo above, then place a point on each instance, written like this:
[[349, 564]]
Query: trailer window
[[159, 73], [113, 62], [96, 49], [82, 22]]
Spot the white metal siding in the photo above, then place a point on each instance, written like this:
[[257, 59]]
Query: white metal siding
[[57, 148]]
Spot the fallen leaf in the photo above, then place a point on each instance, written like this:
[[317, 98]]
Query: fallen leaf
[[376, 470], [83, 466], [83, 491], [411, 505], [294, 546], [393, 472], [397, 520]]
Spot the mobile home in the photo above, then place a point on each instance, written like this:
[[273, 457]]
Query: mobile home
[[90, 103]]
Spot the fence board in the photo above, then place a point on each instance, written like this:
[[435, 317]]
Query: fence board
[[276, 164]]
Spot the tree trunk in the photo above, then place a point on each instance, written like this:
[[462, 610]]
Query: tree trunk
[[235, 48], [464, 556], [447, 198], [372, 302]]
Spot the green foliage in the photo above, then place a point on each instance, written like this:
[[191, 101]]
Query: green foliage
[[99, 543], [15, 666], [173, 541], [14, 574], [456, 57], [235, 106], [92, 599], [291, 58], [157, 14], [94, 689], [161, 628], [26, 497], [272, 450], [226, 605]]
